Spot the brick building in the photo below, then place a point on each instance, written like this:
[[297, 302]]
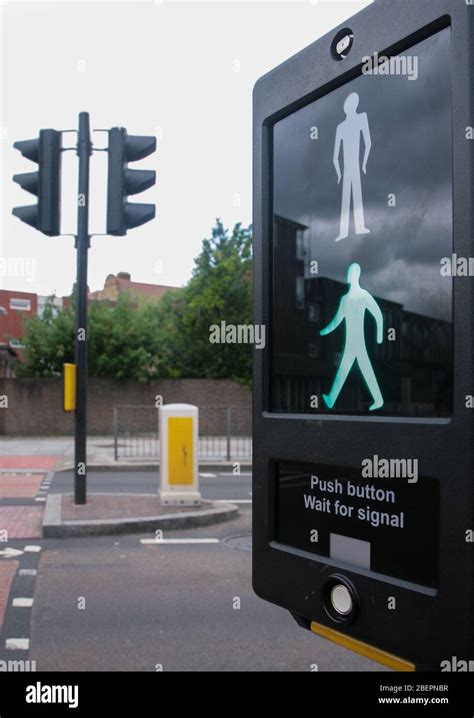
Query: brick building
[[15, 306], [122, 283]]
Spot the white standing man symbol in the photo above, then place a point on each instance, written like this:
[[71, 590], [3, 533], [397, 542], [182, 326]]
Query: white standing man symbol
[[348, 135], [352, 308]]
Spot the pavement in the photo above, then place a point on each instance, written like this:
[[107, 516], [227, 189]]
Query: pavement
[[24, 485], [100, 453], [100, 450], [110, 513], [8, 570], [24, 482]]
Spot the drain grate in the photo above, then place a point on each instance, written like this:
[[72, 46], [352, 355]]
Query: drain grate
[[241, 542]]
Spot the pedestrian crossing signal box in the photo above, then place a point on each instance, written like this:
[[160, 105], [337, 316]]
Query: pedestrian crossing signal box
[[179, 474], [363, 408]]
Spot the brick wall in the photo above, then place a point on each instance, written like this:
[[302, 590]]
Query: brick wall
[[35, 405]]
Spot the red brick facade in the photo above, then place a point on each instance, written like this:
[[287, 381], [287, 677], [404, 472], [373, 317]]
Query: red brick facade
[[14, 307]]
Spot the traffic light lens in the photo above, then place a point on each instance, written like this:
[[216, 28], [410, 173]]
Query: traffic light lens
[[137, 148]]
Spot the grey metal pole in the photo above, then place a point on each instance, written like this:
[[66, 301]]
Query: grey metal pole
[[115, 433], [228, 427], [84, 151]]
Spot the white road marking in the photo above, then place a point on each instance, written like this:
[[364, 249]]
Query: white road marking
[[232, 501], [22, 602], [32, 548], [40, 498], [228, 474], [27, 572], [208, 476], [17, 644], [10, 552], [179, 541]]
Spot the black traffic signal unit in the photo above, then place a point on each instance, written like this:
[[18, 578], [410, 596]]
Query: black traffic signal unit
[[45, 183], [123, 148]]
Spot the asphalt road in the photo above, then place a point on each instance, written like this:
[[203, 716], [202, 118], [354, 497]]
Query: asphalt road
[[220, 486], [182, 607], [116, 603]]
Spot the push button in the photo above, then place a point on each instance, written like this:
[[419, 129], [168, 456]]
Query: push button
[[341, 600]]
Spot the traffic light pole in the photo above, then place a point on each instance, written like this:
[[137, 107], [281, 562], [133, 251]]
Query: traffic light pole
[[45, 216], [84, 151]]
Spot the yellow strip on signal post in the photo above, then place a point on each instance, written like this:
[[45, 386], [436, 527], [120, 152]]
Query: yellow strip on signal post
[[69, 393], [180, 450], [363, 649]]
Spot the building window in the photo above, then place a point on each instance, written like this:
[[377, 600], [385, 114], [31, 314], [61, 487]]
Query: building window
[[23, 305], [3, 312], [300, 245], [314, 312], [16, 344], [300, 292], [314, 351]]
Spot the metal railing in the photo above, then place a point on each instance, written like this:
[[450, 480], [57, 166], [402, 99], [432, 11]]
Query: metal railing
[[225, 432]]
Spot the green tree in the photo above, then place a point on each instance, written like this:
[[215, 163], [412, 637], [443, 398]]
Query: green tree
[[122, 340], [168, 338], [49, 342], [219, 290]]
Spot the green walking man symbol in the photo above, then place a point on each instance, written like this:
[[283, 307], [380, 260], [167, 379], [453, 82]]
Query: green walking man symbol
[[352, 308]]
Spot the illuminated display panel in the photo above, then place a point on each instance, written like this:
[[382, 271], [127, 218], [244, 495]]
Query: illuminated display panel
[[362, 303]]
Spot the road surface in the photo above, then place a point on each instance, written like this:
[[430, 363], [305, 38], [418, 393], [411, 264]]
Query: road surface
[[120, 603]]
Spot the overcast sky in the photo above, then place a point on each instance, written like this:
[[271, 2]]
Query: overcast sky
[[183, 70]]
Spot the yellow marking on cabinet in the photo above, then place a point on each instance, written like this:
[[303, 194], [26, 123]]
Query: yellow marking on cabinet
[[180, 450]]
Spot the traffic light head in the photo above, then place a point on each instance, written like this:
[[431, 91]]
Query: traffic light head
[[122, 181], [45, 183]]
